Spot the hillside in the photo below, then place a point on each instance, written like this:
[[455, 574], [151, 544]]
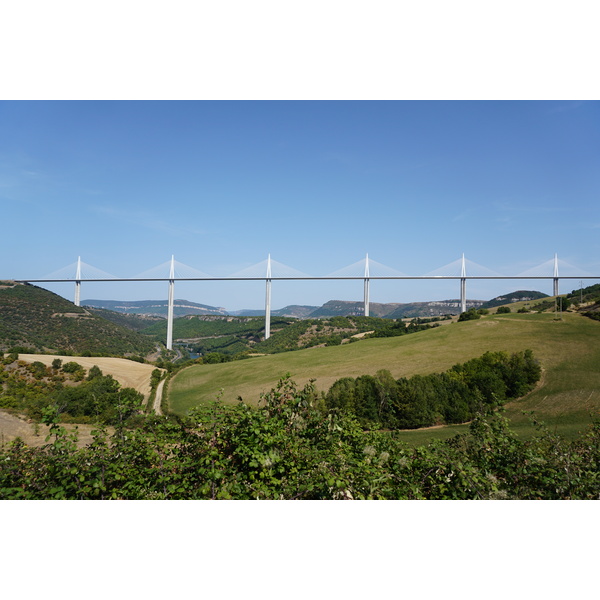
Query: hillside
[[155, 307], [42, 321], [212, 333], [568, 351], [393, 310], [232, 335], [518, 296], [130, 321], [433, 308], [344, 308]]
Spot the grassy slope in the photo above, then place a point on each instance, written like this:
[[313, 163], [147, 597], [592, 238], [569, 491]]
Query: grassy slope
[[568, 350]]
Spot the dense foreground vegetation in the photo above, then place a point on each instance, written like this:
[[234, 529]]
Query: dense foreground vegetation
[[287, 449]]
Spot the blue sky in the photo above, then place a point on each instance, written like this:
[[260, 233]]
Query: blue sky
[[317, 184]]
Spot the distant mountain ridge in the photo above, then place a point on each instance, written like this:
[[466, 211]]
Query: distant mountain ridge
[[293, 310], [393, 310], [159, 308], [331, 308]]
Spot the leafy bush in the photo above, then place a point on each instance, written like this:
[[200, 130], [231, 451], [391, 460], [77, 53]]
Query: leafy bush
[[155, 378], [216, 357], [94, 372], [37, 369], [469, 315], [502, 310], [100, 397]]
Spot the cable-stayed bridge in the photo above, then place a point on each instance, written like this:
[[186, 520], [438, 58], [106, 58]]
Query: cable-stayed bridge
[[270, 270]]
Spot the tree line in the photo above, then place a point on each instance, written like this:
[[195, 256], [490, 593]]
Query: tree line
[[439, 398]]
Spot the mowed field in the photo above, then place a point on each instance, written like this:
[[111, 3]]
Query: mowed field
[[127, 372], [569, 352]]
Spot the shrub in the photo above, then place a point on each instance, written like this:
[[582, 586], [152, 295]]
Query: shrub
[[76, 371], [470, 315], [37, 369], [502, 310], [11, 357], [94, 372]]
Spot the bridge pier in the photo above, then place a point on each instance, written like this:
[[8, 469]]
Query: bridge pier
[[555, 280], [78, 283], [367, 282], [170, 305], [463, 286], [268, 300], [77, 293]]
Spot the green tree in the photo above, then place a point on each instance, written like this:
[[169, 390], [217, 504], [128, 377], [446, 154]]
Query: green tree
[[563, 303], [94, 372], [469, 315]]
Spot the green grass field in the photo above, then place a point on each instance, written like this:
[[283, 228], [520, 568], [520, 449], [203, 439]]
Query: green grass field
[[568, 350]]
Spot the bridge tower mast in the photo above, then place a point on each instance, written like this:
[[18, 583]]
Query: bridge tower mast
[[463, 285], [78, 283], [555, 286], [170, 304], [366, 311], [268, 300]]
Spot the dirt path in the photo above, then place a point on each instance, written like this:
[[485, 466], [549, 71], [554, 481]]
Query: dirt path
[[158, 397]]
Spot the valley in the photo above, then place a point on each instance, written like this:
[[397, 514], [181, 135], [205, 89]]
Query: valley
[[279, 442], [325, 349]]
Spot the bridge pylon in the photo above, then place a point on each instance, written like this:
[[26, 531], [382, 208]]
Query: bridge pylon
[[268, 300], [367, 281], [463, 285], [170, 304], [555, 280], [78, 283]]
